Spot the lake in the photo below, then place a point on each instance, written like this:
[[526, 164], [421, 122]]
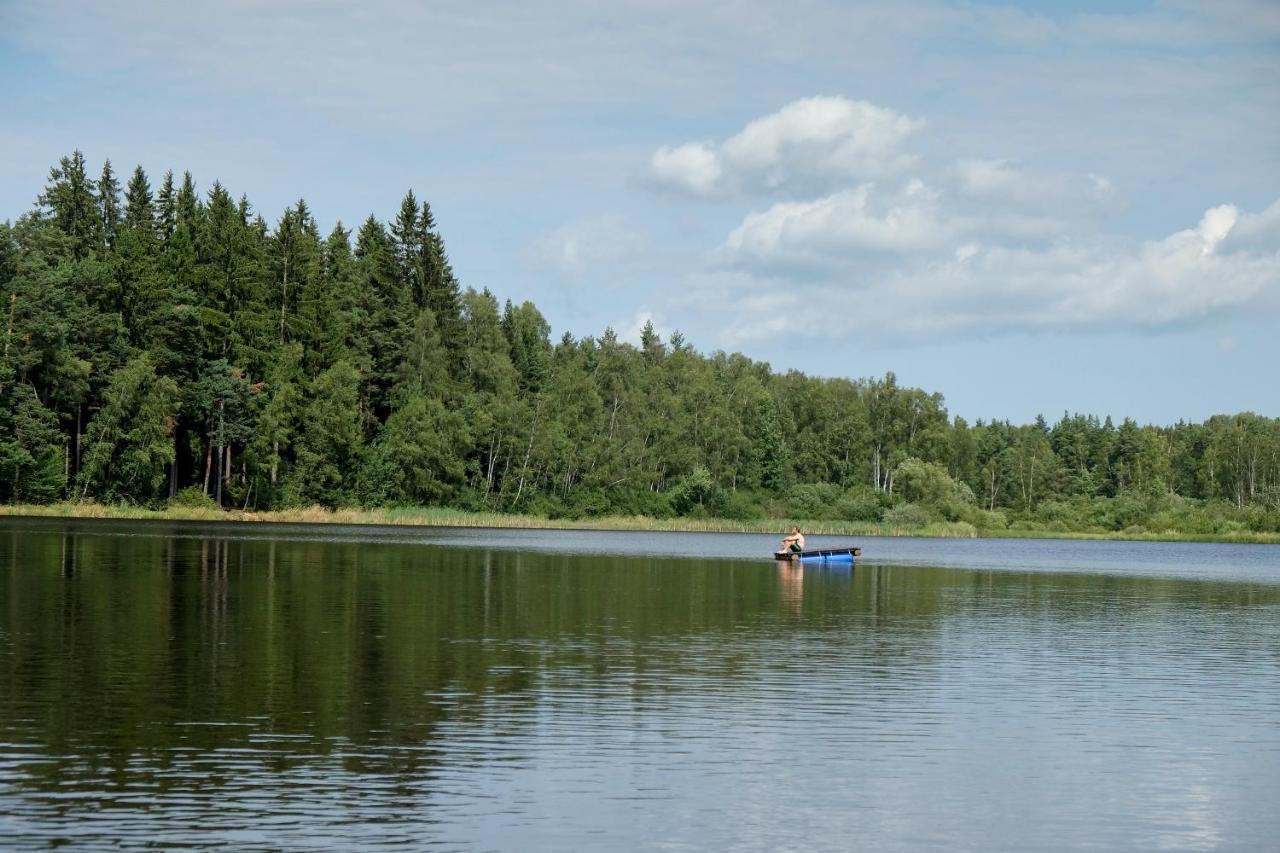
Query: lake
[[296, 687]]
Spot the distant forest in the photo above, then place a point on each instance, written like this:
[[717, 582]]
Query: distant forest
[[171, 345]]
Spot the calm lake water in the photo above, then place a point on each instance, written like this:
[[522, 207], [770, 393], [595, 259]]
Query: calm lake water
[[290, 687]]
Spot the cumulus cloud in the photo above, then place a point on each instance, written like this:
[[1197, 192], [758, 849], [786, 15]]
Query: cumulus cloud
[[856, 220], [811, 140], [908, 247], [1192, 275], [1253, 231], [991, 202]]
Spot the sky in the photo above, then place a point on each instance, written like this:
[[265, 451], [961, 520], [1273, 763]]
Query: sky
[[1030, 208]]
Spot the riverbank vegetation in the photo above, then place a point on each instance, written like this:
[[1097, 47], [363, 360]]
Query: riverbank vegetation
[[447, 517], [171, 348]]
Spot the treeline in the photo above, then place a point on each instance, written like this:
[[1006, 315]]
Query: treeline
[[169, 345]]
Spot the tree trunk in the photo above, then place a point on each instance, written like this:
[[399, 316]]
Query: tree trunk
[[8, 334], [284, 298], [221, 452], [79, 449], [208, 463]]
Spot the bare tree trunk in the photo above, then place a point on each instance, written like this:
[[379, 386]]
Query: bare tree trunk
[[79, 415], [221, 452], [8, 335], [208, 463], [613, 415], [284, 297]]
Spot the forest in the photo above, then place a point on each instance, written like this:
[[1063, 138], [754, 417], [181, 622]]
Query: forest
[[171, 346]]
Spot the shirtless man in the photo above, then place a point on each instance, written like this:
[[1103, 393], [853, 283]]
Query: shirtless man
[[795, 541]]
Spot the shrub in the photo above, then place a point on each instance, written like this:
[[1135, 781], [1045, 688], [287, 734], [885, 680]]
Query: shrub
[[698, 496], [859, 505], [741, 506], [193, 497], [646, 503], [813, 500], [907, 516], [924, 482]]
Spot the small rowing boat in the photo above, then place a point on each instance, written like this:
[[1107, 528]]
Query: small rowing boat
[[822, 555]]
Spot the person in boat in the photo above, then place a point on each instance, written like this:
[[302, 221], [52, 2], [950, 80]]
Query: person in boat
[[794, 542]]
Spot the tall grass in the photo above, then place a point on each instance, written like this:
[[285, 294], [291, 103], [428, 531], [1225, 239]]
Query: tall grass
[[442, 517]]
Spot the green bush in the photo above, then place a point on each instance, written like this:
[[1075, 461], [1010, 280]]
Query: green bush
[[907, 516], [742, 506], [860, 504], [646, 503], [193, 497], [813, 500], [698, 496]]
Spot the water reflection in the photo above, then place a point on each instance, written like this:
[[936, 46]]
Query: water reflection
[[203, 690], [791, 583]]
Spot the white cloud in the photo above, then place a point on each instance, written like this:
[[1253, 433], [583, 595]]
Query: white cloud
[[630, 329], [584, 247], [1256, 231], [857, 220], [693, 167], [1191, 276], [811, 140], [992, 202], [1011, 185]]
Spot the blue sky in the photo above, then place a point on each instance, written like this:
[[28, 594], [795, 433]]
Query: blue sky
[[1032, 208]]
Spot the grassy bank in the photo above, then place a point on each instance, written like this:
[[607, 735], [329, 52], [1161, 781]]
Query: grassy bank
[[441, 517]]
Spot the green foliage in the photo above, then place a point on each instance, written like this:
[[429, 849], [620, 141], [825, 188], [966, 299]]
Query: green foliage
[[31, 450], [192, 497], [907, 516], [129, 442], [417, 459], [166, 343], [331, 447], [698, 495], [814, 500], [861, 503]]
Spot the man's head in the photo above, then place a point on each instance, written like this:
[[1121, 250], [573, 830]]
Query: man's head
[[795, 530]]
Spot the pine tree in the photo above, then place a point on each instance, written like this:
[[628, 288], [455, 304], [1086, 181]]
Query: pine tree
[[31, 448], [109, 205], [69, 198], [167, 208], [529, 336], [388, 310], [187, 204], [139, 208]]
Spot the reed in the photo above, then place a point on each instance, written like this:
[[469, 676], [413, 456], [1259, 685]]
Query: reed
[[443, 517]]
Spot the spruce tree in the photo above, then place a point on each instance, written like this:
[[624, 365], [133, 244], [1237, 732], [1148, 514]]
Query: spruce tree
[[69, 198], [388, 309], [167, 208], [108, 205], [139, 207]]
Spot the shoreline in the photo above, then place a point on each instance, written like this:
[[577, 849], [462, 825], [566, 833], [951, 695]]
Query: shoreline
[[440, 517]]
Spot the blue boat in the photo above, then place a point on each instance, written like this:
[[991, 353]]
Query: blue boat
[[822, 555]]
